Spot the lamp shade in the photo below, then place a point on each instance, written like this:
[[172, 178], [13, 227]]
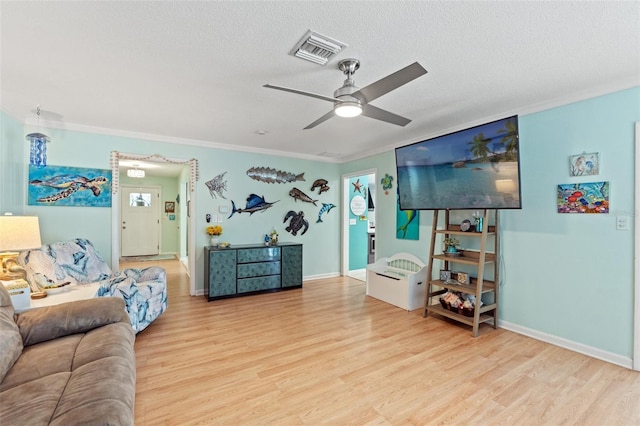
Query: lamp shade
[[19, 233]]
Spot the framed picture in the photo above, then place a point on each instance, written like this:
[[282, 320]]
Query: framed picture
[[463, 278], [172, 217], [169, 207], [592, 197], [584, 164], [69, 186], [445, 275]]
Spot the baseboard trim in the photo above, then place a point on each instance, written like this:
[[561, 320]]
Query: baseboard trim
[[320, 276], [569, 344]]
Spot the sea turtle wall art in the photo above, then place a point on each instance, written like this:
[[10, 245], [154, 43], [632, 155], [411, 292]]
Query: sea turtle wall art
[[69, 186]]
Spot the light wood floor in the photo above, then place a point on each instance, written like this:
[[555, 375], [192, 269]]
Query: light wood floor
[[327, 354]]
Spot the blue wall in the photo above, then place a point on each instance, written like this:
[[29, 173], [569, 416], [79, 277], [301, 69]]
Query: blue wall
[[74, 148], [569, 276]]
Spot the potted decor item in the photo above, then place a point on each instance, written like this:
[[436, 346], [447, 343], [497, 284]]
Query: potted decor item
[[273, 238], [214, 232], [451, 246]]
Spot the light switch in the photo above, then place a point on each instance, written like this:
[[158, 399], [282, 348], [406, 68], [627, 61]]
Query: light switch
[[622, 223]]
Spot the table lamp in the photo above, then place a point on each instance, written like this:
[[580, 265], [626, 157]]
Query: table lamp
[[17, 233]]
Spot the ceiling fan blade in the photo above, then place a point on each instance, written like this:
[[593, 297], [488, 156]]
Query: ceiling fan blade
[[320, 120], [380, 114], [389, 83], [300, 92]]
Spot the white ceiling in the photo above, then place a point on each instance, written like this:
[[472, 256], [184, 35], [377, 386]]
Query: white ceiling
[[192, 72]]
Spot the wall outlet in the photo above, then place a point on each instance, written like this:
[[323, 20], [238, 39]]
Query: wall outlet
[[622, 223]]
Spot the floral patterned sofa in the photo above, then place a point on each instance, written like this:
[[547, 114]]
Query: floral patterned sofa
[[144, 291]]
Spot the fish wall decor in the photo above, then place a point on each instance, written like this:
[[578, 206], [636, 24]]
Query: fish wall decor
[[299, 195], [269, 175], [320, 183], [217, 185], [326, 208], [255, 203]]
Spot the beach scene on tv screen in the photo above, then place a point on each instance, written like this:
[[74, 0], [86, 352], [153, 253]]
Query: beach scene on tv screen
[[472, 168]]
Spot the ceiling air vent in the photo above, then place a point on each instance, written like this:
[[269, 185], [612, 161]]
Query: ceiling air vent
[[317, 48]]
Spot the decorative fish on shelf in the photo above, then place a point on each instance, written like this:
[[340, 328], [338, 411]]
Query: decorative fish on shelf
[[326, 207], [299, 195], [255, 203], [217, 185], [269, 175], [322, 184]]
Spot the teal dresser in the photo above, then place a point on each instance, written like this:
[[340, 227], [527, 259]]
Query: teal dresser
[[251, 268]]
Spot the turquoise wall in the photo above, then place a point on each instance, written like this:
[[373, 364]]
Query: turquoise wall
[[569, 276], [358, 237], [74, 148], [12, 198], [169, 187]]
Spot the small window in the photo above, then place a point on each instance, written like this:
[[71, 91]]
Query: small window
[[137, 199]]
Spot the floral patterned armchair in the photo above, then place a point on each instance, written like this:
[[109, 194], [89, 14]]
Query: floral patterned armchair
[[144, 291]]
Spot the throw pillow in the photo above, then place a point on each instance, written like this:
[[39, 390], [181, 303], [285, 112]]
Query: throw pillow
[[10, 339]]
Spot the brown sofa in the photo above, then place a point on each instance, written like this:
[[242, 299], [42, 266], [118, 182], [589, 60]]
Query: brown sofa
[[67, 364]]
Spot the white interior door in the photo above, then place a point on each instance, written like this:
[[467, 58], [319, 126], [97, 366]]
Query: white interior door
[[140, 221]]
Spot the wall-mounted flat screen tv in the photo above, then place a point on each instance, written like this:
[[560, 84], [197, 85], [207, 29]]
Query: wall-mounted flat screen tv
[[475, 168]]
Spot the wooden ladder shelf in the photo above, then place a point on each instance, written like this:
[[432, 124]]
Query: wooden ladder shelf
[[479, 262]]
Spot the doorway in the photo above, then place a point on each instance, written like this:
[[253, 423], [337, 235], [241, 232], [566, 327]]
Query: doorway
[[188, 175], [356, 225], [140, 221]]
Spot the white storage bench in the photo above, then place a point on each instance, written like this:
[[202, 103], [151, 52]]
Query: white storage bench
[[399, 280]]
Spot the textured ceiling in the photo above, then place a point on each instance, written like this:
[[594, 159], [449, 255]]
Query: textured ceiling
[[192, 72]]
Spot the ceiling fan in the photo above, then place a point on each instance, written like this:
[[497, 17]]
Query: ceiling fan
[[350, 101]]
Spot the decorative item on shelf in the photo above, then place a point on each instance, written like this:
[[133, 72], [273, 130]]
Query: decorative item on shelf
[[463, 278], [273, 238], [445, 275], [465, 226], [451, 246], [479, 221], [214, 231]]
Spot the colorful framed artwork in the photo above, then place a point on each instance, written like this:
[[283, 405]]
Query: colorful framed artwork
[[407, 223], [584, 164], [169, 207], [592, 197], [172, 217], [69, 186]]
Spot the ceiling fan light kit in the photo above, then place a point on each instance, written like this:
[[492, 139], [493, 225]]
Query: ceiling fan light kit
[[350, 101], [348, 109]]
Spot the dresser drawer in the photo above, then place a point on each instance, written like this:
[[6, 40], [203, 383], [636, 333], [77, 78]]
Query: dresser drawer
[[258, 254], [246, 285], [247, 270]]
